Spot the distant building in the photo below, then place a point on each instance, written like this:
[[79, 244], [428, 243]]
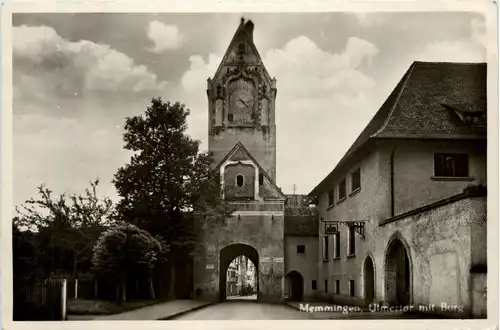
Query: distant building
[[402, 217], [232, 280]]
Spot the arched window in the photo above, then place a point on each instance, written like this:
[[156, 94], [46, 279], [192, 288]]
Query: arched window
[[240, 180]]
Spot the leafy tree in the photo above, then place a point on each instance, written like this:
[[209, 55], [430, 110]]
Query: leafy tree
[[64, 228], [124, 249], [167, 178]]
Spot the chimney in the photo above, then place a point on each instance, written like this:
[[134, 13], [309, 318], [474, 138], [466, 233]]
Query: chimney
[[249, 29]]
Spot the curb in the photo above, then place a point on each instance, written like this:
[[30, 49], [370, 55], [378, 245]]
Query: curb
[[170, 317], [291, 306]]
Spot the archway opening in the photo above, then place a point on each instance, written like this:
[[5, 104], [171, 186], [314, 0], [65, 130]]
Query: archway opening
[[295, 286], [369, 280], [398, 276], [239, 273]]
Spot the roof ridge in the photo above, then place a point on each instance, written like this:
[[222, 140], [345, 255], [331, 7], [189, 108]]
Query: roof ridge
[[403, 88], [448, 62]]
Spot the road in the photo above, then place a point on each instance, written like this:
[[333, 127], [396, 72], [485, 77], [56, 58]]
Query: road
[[252, 310], [245, 310]]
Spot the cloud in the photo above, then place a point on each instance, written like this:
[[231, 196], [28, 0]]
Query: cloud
[[50, 67], [70, 101], [370, 19], [319, 87], [164, 37], [452, 51]]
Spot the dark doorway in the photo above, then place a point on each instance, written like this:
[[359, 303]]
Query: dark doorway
[[295, 283], [238, 253], [398, 274], [369, 280]]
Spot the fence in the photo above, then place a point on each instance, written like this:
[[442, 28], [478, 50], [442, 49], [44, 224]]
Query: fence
[[41, 300]]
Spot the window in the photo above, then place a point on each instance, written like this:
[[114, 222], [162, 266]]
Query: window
[[352, 241], [240, 181], [451, 165], [336, 245], [326, 286], [313, 285], [351, 288], [356, 180], [213, 121], [337, 286], [325, 247], [474, 118], [301, 249], [241, 48], [342, 192], [331, 197], [230, 117], [261, 179]]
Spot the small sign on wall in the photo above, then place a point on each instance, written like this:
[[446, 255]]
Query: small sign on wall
[[210, 266], [265, 259], [279, 259]]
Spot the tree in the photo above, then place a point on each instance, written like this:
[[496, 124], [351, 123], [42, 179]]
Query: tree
[[64, 228], [167, 178], [124, 249]]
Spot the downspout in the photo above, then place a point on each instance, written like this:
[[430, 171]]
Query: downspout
[[392, 180]]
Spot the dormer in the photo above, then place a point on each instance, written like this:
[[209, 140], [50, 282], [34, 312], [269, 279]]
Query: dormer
[[469, 116]]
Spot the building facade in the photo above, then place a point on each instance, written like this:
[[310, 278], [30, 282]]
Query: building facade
[[242, 138], [232, 280], [402, 217], [301, 249]]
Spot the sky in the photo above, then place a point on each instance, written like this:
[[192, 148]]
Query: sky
[[76, 77]]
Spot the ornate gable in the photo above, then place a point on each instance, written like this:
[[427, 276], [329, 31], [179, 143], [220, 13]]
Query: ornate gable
[[242, 177]]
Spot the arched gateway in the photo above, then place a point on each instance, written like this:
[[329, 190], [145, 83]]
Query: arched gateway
[[227, 255], [398, 279]]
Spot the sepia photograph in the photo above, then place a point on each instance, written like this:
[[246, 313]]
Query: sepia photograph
[[250, 166]]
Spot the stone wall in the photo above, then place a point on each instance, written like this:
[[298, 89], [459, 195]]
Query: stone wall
[[260, 229], [231, 189], [440, 243]]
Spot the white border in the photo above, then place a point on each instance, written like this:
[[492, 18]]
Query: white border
[[235, 6]]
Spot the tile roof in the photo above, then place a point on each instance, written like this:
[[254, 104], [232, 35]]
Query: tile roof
[[424, 104], [301, 226]]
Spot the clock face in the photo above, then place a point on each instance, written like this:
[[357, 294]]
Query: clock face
[[242, 100]]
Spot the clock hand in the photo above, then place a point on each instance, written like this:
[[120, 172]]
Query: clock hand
[[243, 102]]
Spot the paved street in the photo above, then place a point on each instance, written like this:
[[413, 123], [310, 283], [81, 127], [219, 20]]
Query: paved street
[[251, 310], [251, 297], [245, 310]]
